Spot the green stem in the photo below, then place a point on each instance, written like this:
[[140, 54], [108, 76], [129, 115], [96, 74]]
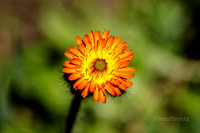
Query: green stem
[[73, 113]]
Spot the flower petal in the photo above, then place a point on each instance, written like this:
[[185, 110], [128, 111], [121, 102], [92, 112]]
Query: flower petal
[[105, 34], [85, 91], [103, 97], [109, 43], [82, 84], [70, 55], [91, 36], [97, 95], [76, 51], [127, 69], [125, 81], [86, 39], [126, 54], [78, 82], [116, 42], [67, 64], [123, 87], [115, 82], [110, 89], [92, 86], [118, 52], [123, 74], [76, 62], [97, 36], [75, 76], [70, 70], [118, 92], [78, 40], [101, 44], [82, 48], [127, 58], [125, 63], [121, 46]]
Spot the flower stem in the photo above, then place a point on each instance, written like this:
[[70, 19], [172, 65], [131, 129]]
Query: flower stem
[[73, 113]]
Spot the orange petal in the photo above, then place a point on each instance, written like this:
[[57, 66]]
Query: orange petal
[[123, 87], [76, 61], [82, 48], [78, 82], [116, 42], [123, 74], [103, 97], [92, 86], [125, 81], [115, 82], [69, 70], [127, 58], [86, 39], [82, 84], [118, 52], [123, 45], [75, 51], [109, 42], [125, 63], [110, 89], [78, 40], [101, 85], [89, 46], [75, 76], [85, 91], [105, 34], [104, 91], [126, 54], [129, 83], [91, 36], [67, 64], [70, 55], [96, 95], [118, 92], [102, 43], [100, 46], [97, 36], [127, 69]]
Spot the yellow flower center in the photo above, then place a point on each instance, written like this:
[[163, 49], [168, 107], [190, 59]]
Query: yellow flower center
[[100, 65]]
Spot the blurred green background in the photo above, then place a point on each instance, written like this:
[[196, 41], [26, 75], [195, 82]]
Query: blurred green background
[[164, 36]]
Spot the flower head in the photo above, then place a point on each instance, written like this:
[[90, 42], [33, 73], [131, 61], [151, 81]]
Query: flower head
[[99, 64]]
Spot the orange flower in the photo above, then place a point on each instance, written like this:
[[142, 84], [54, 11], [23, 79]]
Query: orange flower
[[99, 64]]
